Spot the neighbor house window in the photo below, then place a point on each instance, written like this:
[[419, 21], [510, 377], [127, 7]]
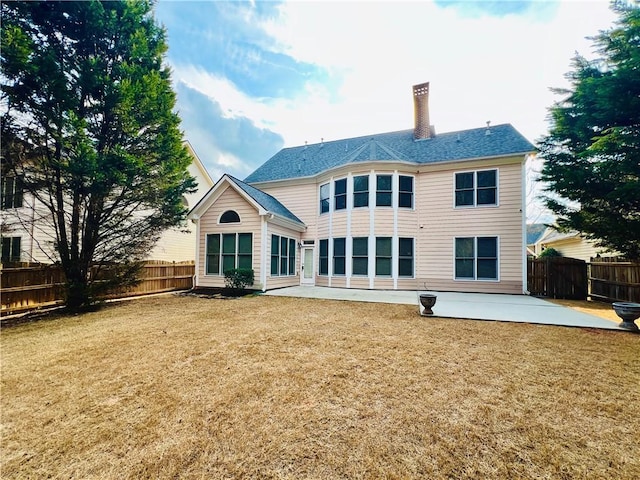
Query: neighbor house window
[[11, 192], [383, 256], [228, 251], [324, 198], [10, 249], [283, 256], [360, 256], [383, 191], [230, 217], [476, 258], [324, 258], [340, 194], [361, 191], [339, 256], [405, 257], [405, 192], [476, 188]]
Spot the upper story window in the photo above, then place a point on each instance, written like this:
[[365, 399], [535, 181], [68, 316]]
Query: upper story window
[[405, 192], [383, 190], [230, 217], [324, 198], [476, 188], [340, 194], [11, 192], [361, 191]]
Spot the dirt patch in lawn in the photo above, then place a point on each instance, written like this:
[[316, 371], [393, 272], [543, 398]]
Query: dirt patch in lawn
[[599, 309], [272, 387]]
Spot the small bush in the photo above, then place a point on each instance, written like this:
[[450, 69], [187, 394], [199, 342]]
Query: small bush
[[550, 252], [238, 278]]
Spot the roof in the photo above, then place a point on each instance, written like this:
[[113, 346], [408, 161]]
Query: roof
[[266, 201], [311, 160], [535, 232]]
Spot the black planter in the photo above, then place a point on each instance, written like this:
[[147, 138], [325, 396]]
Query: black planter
[[628, 312], [427, 300]]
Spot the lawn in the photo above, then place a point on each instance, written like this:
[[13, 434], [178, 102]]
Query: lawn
[[269, 387]]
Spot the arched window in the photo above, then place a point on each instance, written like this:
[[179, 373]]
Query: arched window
[[230, 217]]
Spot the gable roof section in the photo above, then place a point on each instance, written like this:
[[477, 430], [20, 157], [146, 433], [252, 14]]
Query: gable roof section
[[263, 202], [311, 160], [535, 232]]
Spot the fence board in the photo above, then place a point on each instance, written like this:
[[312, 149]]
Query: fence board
[[26, 288], [617, 281], [557, 277]]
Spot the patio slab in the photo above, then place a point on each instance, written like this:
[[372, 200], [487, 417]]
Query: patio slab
[[474, 306]]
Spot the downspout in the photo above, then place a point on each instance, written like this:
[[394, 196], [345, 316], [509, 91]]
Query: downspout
[[195, 280], [523, 202]]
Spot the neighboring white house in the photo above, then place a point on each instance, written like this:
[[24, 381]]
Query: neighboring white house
[[404, 210], [26, 239], [568, 244]]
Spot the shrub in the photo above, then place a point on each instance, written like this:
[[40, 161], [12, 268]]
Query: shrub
[[550, 252], [238, 278]]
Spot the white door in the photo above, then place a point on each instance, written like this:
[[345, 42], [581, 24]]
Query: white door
[[307, 276]]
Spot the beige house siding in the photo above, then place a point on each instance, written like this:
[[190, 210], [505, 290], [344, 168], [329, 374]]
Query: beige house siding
[[285, 280], [575, 247], [250, 222], [302, 200]]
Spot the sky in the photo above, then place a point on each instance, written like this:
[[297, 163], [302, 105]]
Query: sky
[[254, 77]]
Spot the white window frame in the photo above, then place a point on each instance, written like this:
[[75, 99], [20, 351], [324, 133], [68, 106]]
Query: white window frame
[[475, 259], [475, 189]]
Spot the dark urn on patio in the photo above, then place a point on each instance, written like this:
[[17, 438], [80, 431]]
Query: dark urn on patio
[[427, 300], [628, 312]]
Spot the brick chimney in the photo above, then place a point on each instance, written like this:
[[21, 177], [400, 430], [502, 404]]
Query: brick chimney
[[422, 129]]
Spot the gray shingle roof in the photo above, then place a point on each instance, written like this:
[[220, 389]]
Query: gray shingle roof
[[266, 201], [534, 232], [306, 161]]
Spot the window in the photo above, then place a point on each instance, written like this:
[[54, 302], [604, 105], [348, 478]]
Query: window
[[230, 217], [339, 256], [361, 191], [405, 257], [476, 258], [324, 198], [383, 256], [340, 194], [360, 256], [11, 192], [383, 191], [10, 249], [405, 192], [283, 256], [476, 188], [324, 257], [228, 251]]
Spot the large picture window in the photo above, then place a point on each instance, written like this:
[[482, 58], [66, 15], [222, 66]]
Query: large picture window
[[228, 251], [283, 256], [360, 256], [405, 192], [405, 257], [476, 258], [361, 191], [476, 188], [383, 256], [324, 258], [383, 190], [339, 256], [324, 198]]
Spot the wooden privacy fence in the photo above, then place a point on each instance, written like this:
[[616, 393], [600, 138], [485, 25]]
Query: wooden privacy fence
[[557, 277], [614, 281], [27, 288], [602, 279]]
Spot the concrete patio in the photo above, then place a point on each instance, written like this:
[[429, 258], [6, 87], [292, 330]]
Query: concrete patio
[[474, 306]]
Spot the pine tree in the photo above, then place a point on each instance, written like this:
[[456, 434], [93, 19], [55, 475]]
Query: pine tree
[[88, 125], [592, 152]]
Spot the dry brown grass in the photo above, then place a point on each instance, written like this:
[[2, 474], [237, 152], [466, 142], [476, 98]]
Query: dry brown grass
[[268, 387]]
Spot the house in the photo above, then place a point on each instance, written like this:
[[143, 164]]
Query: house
[[405, 210], [568, 244], [535, 231], [26, 239]]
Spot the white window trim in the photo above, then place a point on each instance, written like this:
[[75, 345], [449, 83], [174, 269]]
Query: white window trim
[[475, 189], [475, 259]]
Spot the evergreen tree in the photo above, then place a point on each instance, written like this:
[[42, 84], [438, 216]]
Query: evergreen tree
[[88, 125], [592, 152]]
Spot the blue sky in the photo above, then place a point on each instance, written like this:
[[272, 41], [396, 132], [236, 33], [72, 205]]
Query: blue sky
[[253, 77]]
